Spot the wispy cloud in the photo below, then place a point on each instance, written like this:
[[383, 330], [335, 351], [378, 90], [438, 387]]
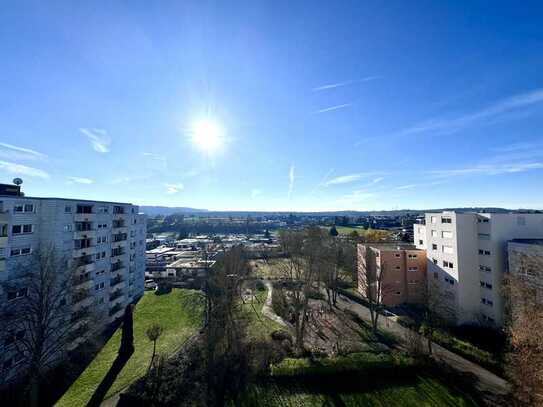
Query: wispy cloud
[[129, 179], [22, 170], [19, 153], [329, 109], [174, 188], [344, 83], [154, 156], [290, 180], [346, 179], [255, 193], [356, 198], [408, 186], [499, 108], [98, 138], [489, 169], [80, 180]]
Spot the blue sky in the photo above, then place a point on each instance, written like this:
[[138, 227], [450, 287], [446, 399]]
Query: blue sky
[[322, 105]]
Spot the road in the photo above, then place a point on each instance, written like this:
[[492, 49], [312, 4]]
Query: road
[[488, 382]]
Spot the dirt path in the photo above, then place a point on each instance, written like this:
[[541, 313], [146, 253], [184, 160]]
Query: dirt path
[[488, 382], [267, 309]]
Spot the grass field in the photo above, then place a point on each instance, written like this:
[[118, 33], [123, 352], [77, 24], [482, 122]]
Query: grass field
[[363, 379], [178, 322]]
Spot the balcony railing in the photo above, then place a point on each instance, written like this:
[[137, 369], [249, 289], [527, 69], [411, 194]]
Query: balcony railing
[[117, 266], [81, 294], [120, 237], [114, 281], [116, 294], [84, 260], [117, 252], [116, 308], [80, 314]]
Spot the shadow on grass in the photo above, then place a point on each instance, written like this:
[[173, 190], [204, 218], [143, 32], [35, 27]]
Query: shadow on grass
[[125, 352], [108, 379]]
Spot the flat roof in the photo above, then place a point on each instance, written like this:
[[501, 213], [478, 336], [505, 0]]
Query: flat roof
[[528, 241], [392, 246], [183, 263], [63, 199]]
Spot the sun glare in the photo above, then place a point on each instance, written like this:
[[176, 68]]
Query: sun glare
[[207, 135]]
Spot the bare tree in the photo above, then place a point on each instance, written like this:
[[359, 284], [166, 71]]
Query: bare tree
[[153, 333], [524, 360], [438, 311], [47, 315]]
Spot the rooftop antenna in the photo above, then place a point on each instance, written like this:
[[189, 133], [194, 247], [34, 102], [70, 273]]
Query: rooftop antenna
[[18, 181]]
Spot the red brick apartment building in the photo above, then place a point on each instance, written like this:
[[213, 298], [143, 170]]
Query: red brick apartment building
[[403, 271]]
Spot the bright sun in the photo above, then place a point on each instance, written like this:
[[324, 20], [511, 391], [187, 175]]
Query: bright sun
[[207, 135]]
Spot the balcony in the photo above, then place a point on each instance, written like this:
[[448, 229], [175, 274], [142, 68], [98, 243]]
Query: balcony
[[84, 217], [116, 294], [80, 314], [117, 252], [115, 309], [84, 234], [84, 252], [116, 281], [81, 295]]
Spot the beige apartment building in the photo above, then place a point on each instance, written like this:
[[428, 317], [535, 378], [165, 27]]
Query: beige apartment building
[[467, 257], [400, 267]]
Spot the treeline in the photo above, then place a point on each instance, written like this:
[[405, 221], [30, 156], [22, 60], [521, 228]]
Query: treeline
[[167, 224]]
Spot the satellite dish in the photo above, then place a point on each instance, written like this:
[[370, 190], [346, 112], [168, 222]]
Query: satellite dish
[[17, 181]]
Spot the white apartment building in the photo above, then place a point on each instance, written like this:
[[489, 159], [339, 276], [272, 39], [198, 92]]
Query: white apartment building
[[104, 240], [467, 256]]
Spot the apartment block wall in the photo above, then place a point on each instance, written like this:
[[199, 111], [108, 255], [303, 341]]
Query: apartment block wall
[[108, 287], [466, 259]]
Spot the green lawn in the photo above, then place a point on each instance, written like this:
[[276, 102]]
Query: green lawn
[[178, 320], [423, 391], [358, 379]]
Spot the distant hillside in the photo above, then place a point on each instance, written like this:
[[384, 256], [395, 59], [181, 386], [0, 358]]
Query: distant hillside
[[167, 210]]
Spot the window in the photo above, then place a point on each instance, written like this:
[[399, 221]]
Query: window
[[433, 219], [99, 287], [397, 267], [482, 283], [485, 268], [68, 227], [67, 209], [484, 236], [486, 301], [398, 293], [436, 275], [421, 242], [446, 234], [413, 269], [488, 286], [29, 208], [447, 249], [434, 246], [434, 233], [103, 209], [449, 280], [487, 252], [18, 229], [412, 256], [446, 220], [18, 208], [448, 264], [20, 251], [397, 254], [434, 261]]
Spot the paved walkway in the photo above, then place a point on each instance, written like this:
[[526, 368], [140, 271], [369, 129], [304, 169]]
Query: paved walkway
[[488, 382]]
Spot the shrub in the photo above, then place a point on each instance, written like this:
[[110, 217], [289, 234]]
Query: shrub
[[260, 286], [315, 295], [281, 335], [280, 304], [406, 322]]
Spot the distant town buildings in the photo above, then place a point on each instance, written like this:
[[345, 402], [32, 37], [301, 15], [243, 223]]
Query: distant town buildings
[[104, 242], [467, 257], [397, 270]]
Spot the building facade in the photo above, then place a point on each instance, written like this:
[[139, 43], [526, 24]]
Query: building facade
[[401, 269], [103, 241], [467, 256]]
